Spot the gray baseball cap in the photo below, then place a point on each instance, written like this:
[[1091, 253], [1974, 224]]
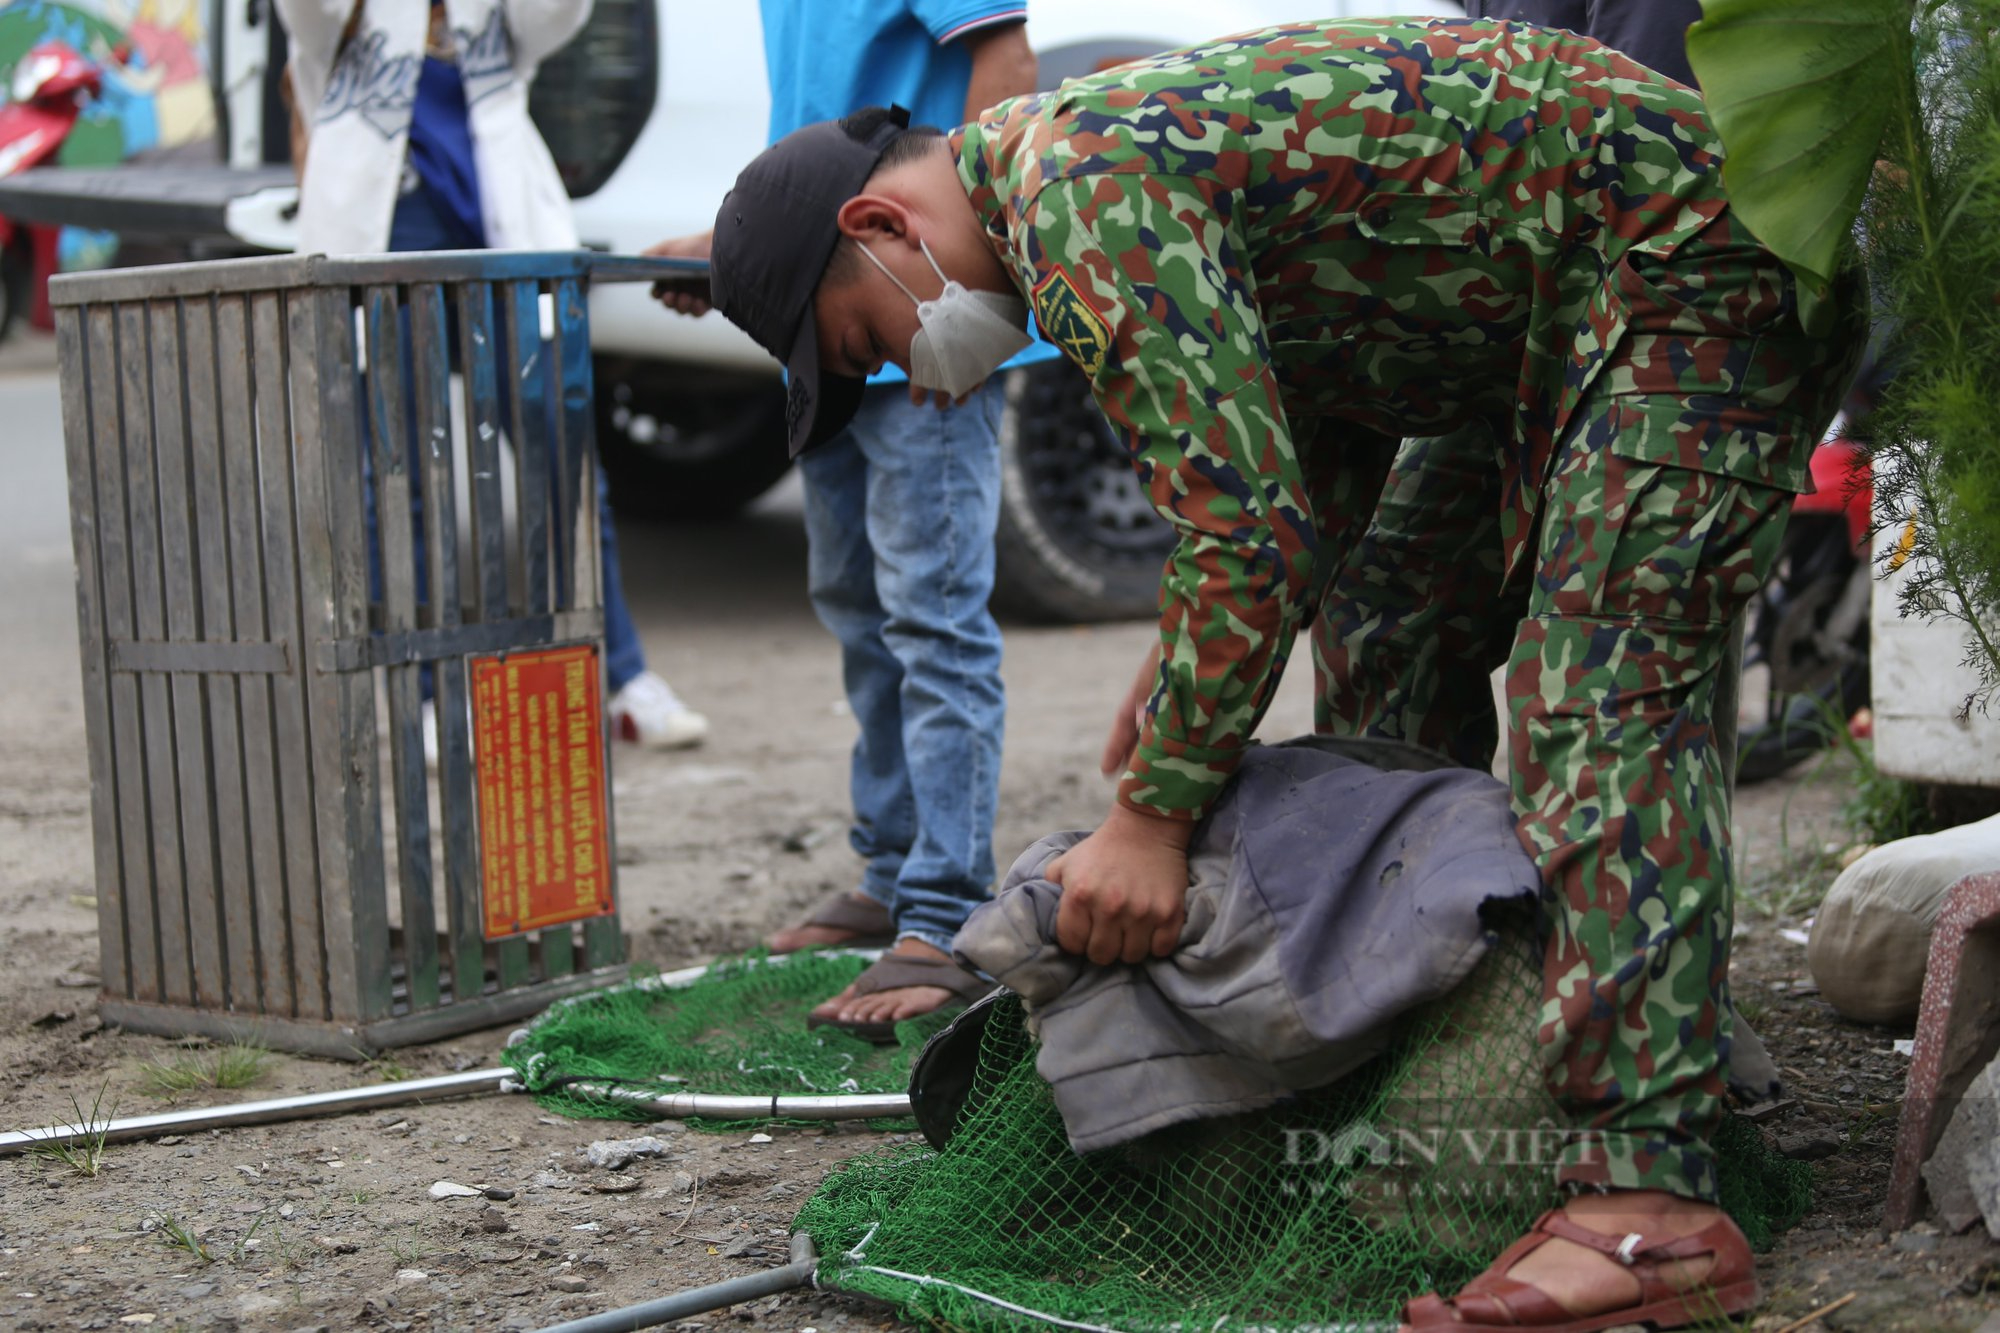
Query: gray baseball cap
[[774, 234]]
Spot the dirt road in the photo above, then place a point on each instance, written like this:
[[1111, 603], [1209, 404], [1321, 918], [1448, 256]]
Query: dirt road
[[330, 1224]]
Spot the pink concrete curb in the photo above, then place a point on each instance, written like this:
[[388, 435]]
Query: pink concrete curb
[[1958, 1034]]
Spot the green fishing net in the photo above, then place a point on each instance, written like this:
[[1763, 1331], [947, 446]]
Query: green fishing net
[[1326, 1212], [739, 1028]]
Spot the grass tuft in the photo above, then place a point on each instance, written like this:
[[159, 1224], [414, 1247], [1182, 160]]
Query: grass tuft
[[248, 1243], [1881, 808], [182, 1236], [85, 1154], [236, 1065], [388, 1069], [411, 1250]]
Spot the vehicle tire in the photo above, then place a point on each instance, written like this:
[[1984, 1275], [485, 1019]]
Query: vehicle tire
[[1079, 540], [1803, 729], [16, 286], [1814, 686], [680, 446]]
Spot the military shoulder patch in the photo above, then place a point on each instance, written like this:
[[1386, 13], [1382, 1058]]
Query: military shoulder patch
[[1068, 321]]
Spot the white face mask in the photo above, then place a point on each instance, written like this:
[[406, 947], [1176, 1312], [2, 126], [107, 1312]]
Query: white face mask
[[963, 336]]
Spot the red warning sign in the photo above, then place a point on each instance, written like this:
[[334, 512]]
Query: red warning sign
[[538, 741]]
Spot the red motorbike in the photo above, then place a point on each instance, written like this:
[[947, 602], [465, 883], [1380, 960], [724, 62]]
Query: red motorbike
[[52, 84], [1809, 623]]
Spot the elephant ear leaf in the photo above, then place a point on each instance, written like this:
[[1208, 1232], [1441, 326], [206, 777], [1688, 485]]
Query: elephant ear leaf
[[1800, 92]]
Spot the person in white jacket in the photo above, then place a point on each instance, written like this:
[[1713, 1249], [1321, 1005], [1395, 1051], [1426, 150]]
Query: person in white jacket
[[356, 70], [417, 137]]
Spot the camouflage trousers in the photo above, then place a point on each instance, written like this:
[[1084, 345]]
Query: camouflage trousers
[[1616, 636]]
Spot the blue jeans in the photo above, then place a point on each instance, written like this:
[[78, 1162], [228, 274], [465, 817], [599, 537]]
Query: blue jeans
[[417, 226], [900, 514]]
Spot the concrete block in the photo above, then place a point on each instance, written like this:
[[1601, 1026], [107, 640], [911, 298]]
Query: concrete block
[[1958, 1035], [1947, 1175]]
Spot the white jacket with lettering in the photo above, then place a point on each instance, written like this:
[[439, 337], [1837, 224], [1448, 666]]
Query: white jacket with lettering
[[357, 102]]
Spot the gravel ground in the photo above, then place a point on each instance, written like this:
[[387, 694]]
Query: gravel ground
[[331, 1224], [1847, 1081]]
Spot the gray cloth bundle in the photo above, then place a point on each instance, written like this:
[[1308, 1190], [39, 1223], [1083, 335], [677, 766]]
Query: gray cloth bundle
[[1335, 886]]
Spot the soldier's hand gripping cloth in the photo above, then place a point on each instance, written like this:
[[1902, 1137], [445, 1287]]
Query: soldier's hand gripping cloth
[[1272, 252]]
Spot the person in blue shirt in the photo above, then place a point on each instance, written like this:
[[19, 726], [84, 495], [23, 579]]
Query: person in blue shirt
[[901, 509]]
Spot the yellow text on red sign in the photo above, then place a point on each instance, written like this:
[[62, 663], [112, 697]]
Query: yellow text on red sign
[[538, 743]]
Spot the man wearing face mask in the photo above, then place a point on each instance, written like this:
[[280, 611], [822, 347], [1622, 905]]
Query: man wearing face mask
[[901, 509], [1275, 254]]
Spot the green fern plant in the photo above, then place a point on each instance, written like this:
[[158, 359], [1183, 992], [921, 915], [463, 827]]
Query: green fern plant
[[1885, 113]]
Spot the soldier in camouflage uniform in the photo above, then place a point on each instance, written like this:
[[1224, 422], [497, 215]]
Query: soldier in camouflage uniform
[[1274, 255]]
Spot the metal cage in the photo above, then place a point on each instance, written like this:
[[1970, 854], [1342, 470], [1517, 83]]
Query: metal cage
[[250, 446]]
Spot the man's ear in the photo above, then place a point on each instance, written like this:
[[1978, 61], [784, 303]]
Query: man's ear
[[867, 217]]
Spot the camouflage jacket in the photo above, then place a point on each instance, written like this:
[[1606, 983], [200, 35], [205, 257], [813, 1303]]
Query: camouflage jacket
[[1257, 247]]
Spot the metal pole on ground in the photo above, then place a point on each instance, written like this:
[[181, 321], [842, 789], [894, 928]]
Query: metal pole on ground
[[302, 1107], [700, 1300], [718, 1106], [735, 1106]]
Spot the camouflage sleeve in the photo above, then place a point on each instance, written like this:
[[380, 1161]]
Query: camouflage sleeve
[[1141, 278]]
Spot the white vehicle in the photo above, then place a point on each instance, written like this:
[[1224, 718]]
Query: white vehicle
[[650, 113]]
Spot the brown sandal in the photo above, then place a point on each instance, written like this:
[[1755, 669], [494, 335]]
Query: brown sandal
[[894, 971], [1494, 1300], [868, 924]]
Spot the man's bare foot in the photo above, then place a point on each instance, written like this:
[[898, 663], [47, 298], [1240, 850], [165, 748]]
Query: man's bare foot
[[890, 1006], [1585, 1282], [810, 936]]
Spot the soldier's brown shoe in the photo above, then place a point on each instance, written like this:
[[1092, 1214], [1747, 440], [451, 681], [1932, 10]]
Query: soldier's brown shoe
[[1494, 1300]]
